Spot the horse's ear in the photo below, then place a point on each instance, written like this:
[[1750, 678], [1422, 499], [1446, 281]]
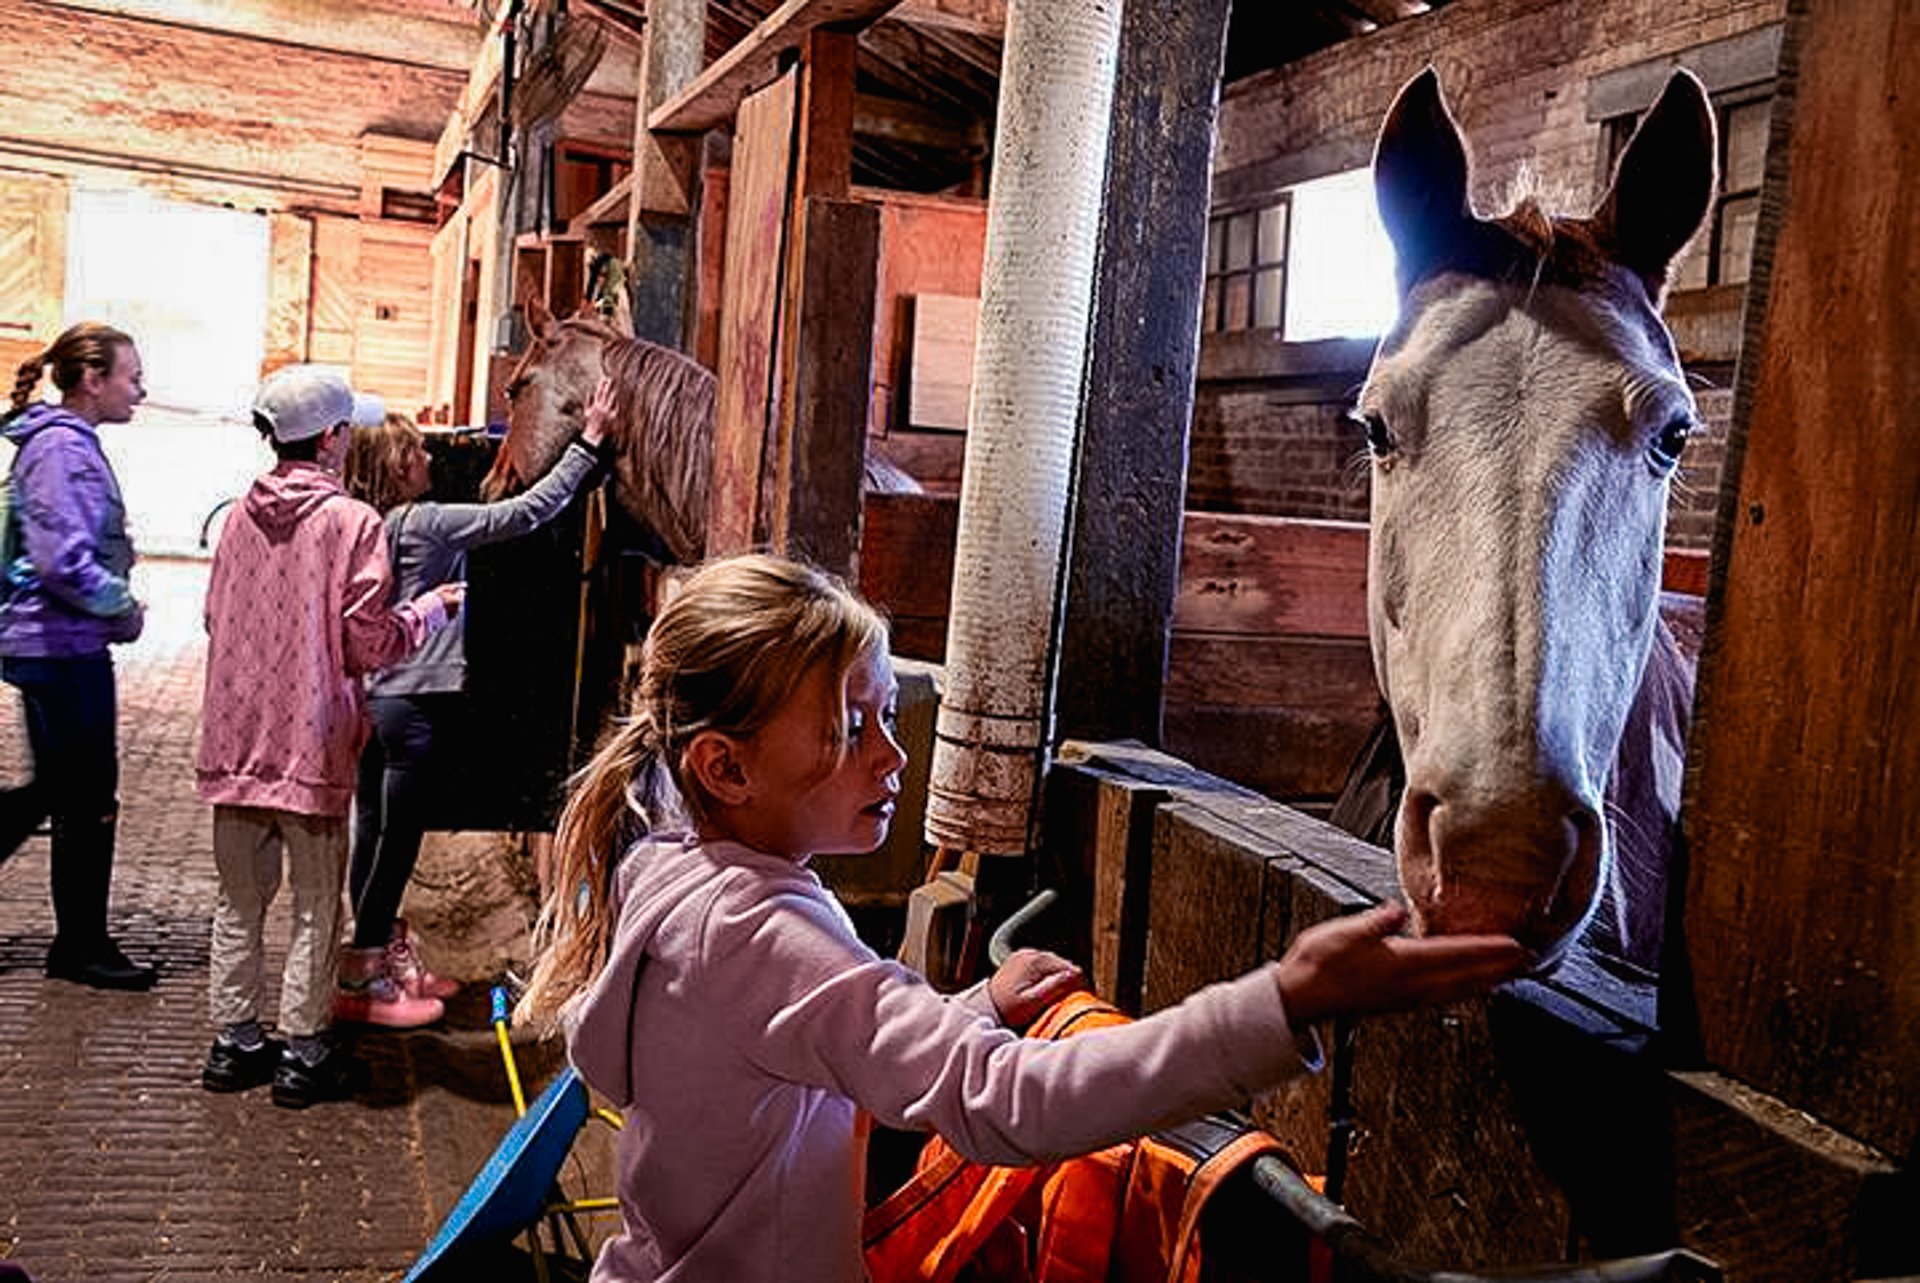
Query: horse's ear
[[1420, 179], [539, 320], [1664, 184]]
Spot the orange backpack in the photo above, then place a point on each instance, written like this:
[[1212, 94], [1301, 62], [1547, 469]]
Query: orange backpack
[[1126, 1214]]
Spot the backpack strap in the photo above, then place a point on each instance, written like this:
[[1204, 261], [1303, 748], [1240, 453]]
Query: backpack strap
[[1207, 1178]]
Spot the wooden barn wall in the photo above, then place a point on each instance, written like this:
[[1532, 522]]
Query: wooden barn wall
[[265, 124], [254, 118], [33, 264], [1270, 438]]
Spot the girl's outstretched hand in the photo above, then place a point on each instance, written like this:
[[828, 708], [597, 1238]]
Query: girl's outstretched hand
[[1030, 981], [1357, 965], [600, 414]]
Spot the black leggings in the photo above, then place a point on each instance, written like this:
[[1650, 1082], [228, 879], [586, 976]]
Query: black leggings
[[76, 780], [394, 800]]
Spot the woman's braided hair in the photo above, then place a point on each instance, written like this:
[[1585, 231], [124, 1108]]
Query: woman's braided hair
[[88, 345]]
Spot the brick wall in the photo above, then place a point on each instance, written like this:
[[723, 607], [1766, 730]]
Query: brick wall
[[1515, 73]]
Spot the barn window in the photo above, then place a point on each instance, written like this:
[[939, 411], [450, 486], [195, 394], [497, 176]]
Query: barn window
[[1313, 263], [1723, 253], [1247, 268]]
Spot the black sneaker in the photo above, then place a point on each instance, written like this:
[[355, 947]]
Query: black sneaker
[[231, 1067], [336, 1076], [102, 967]]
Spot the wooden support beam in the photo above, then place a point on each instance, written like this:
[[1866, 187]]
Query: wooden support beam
[[1803, 773], [710, 100], [1123, 566], [659, 233]]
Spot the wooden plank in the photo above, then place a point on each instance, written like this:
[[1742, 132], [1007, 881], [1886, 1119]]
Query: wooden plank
[[392, 321], [710, 100], [1123, 567], [1804, 771], [710, 255], [336, 290], [974, 17], [750, 299], [819, 494], [1284, 753], [928, 245], [289, 288], [1122, 879], [1272, 575], [1203, 905], [905, 566], [940, 370], [33, 264], [449, 253], [1312, 674]]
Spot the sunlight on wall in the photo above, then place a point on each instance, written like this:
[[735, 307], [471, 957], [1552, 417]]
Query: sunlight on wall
[[1341, 285]]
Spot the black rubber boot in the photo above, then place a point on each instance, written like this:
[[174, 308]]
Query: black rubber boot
[[81, 870]]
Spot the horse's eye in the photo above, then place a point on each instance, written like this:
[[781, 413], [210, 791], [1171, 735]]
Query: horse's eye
[[1664, 454], [515, 385], [1380, 442]]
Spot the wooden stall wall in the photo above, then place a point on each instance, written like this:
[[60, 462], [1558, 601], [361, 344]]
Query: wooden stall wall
[[933, 246]]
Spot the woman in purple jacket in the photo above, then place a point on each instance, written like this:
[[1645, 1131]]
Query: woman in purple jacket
[[64, 597]]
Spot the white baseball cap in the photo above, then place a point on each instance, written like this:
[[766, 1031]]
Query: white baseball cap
[[302, 401]]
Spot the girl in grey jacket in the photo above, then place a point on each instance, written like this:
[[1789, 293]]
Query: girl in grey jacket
[[416, 703]]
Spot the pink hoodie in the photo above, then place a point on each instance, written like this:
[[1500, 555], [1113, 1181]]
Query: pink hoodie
[[298, 608], [739, 1023]]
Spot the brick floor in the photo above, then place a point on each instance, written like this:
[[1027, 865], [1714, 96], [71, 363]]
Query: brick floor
[[114, 1164]]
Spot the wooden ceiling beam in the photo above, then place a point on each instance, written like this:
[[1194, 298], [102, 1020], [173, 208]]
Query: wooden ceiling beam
[[914, 124], [986, 18], [711, 100]]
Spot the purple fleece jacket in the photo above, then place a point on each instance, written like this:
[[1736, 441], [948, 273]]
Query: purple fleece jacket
[[65, 590], [739, 1023]]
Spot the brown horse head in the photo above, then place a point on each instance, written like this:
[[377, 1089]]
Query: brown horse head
[[662, 437]]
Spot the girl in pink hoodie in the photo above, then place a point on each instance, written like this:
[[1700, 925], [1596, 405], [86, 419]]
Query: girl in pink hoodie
[[716, 991]]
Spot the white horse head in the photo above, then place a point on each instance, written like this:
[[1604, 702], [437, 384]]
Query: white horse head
[[1525, 415]]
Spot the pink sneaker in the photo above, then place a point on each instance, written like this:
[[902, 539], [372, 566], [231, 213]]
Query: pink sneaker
[[404, 964], [369, 995]]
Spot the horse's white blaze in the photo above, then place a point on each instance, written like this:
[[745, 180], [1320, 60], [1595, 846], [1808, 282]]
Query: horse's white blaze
[[1515, 564]]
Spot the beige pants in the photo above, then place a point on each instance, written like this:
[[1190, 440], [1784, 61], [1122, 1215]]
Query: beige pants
[[248, 843]]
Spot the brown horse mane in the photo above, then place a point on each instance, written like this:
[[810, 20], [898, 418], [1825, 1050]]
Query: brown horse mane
[[665, 405]]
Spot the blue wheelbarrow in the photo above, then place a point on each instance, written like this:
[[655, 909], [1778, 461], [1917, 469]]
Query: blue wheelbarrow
[[518, 1191]]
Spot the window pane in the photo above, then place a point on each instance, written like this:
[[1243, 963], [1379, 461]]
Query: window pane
[[1273, 234], [1239, 291], [1269, 288], [1691, 274], [1737, 218], [1216, 241], [1239, 242], [1339, 278], [1210, 308], [1746, 147]]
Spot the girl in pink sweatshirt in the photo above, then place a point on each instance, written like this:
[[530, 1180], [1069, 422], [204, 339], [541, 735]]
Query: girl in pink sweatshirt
[[715, 990]]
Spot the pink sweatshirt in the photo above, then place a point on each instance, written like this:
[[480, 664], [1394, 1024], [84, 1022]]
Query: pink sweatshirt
[[298, 608], [759, 1023]]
